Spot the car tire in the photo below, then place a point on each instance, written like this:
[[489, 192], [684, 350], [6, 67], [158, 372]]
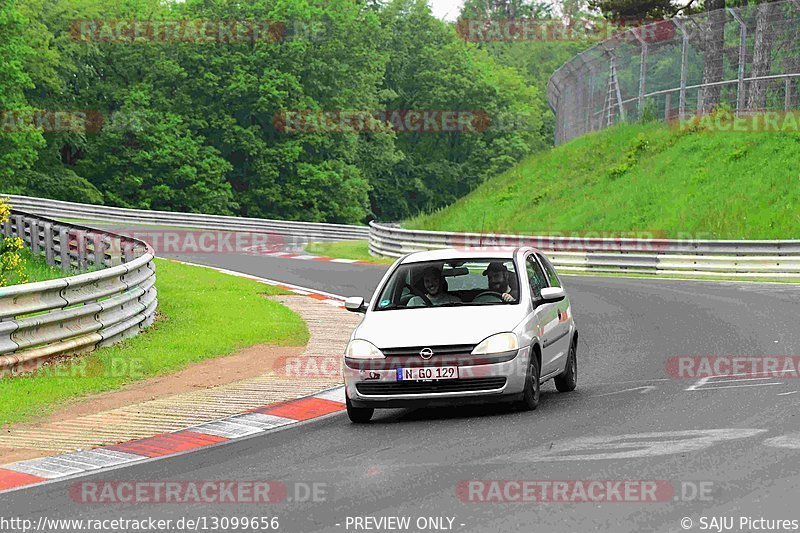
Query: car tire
[[568, 380], [530, 397], [358, 415]]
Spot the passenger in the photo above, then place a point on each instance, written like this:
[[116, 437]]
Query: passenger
[[433, 281], [497, 275]]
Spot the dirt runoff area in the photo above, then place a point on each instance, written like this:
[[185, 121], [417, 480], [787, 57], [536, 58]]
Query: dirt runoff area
[[243, 364]]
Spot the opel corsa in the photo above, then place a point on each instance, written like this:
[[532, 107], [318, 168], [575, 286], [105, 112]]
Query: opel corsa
[[455, 326]]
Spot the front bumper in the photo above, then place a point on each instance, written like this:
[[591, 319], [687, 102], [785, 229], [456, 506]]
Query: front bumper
[[375, 384]]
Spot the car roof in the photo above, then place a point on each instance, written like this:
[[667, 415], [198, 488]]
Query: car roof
[[460, 253]]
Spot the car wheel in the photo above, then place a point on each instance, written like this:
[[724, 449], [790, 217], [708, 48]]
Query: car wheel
[[358, 415], [530, 398], [568, 380]]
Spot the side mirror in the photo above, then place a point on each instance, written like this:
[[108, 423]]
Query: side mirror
[[355, 304], [553, 294]]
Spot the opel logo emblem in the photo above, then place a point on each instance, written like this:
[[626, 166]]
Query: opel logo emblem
[[426, 353]]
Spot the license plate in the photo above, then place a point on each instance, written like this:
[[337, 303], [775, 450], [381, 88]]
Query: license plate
[[427, 373]]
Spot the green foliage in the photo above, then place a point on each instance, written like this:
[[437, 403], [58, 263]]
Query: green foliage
[[633, 10], [643, 178], [190, 126], [12, 262], [18, 149], [157, 163], [62, 184]]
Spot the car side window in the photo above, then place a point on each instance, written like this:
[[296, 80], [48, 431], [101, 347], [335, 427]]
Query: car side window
[[535, 277], [551, 272]]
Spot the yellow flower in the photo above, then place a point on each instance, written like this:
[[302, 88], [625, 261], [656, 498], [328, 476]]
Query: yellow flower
[[5, 210]]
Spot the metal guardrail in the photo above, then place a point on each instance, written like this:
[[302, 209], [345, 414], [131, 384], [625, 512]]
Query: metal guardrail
[[78, 313], [309, 230], [769, 259]]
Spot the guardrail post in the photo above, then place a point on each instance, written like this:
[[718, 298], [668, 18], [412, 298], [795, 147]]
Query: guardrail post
[[34, 225], [63, 245], [19, 227], [129, 250], [787, 99], [49, 245], [98, 248], [80, 237], [7, 227], [740, 94], [115, 252]]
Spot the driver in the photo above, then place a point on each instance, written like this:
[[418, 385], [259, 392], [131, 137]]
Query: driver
[[497, 275], [432, 280]]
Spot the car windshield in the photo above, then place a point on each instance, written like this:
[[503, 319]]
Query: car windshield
[[451, 283]]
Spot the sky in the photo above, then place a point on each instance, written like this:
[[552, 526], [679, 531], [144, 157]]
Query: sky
[[446, 9]]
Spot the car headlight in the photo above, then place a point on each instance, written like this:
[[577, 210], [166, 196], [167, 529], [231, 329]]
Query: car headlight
[[361, 349], [502, 342]]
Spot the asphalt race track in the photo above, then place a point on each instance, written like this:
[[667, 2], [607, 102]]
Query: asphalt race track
[[726, 447]]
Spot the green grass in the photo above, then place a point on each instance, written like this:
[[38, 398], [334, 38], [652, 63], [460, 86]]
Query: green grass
[[358, 250], [37, 269], [645, 179], [202, 314]]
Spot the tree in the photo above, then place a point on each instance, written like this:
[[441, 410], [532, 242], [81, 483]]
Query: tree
[[157, 163], [430, 68], [762, 54], [19, 140], [505, 9], [712, 45], [638, 10]]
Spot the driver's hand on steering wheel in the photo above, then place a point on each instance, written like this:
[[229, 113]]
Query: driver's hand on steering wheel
[[507, 297]]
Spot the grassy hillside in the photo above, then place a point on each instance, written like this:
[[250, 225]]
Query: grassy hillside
[[643, 178]]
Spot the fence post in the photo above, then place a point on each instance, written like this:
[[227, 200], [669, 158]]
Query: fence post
[[740, 94], [613, 86], [684, 65], [667, 105], [642, 69], [787, 99], [587, 101]]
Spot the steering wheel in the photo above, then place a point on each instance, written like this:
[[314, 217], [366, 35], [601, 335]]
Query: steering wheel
[[419, 293], [490, 293]]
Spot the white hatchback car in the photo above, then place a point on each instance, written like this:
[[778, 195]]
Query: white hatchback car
[[454, 326]]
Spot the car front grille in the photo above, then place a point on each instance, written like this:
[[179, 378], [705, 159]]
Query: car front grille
[[413, 351], [428, 387]]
